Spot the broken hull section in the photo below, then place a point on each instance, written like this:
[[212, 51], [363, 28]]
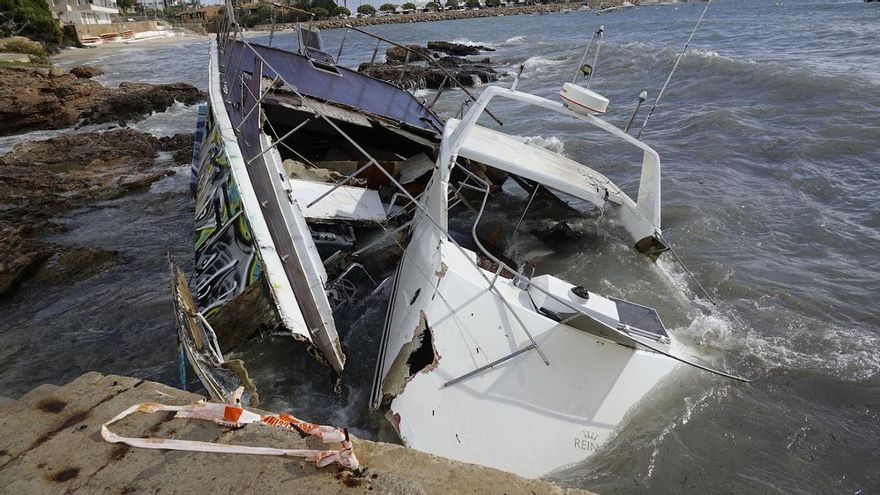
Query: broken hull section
[[525, 374], [239, 280], [521, 415]]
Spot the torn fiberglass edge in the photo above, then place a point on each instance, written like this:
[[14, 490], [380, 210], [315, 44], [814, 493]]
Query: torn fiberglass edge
[[200, 345]]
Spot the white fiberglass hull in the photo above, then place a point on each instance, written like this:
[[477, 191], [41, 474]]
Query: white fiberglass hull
[[522, 415]]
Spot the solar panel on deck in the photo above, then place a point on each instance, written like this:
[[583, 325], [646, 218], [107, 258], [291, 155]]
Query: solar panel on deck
[[638, 316]]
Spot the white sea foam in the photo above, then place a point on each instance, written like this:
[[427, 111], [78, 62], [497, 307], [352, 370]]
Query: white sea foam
[[712, 54], [465, 41], [537, 61], [516, 40], [551, 143], [423, 93]]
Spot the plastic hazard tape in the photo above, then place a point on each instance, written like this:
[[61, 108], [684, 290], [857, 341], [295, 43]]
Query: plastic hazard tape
[[234, 416]]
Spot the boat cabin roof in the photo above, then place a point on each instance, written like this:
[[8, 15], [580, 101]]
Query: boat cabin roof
[[339, 85], [536, 163]]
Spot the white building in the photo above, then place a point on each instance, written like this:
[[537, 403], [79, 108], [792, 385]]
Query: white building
[[83, 11]]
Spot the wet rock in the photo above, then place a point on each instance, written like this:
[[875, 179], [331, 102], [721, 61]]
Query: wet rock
[[86, 71], [20, 257], [133, 101], [34, 99], [398, 54], [417, 73], [181, 145], [420, 76], [41, 179], [77, 264], [457, 48]]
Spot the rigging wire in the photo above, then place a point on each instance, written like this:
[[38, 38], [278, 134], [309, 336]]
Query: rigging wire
[[675, 66]]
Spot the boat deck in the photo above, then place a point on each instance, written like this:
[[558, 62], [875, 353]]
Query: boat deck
[[344, 87]]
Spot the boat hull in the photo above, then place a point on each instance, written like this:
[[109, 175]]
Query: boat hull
[[521, 415]]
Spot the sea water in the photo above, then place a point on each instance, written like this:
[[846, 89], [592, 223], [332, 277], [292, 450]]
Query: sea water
[[769, 137]]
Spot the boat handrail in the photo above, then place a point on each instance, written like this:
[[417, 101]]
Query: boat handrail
[[648, 199]]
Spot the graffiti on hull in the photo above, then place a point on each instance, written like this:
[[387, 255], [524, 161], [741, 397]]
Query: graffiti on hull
[[226, 260]]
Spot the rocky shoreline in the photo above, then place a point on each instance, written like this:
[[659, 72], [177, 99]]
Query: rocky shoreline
[[40, 180], [37, 98], [407, 67], [447, 15]]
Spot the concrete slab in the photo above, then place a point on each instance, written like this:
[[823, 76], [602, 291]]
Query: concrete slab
[[51, 443]]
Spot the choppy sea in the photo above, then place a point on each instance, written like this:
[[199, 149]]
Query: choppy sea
[[769, 136]]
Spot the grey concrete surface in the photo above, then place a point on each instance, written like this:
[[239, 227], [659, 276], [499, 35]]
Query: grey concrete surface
[[51, 443]]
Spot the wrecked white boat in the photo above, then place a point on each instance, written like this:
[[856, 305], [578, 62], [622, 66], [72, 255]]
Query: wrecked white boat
[[499, 367], [301, 174]]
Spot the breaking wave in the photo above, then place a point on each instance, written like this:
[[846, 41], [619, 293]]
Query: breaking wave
[[516, 40], [551, 143], [468, 42], [538, 61]]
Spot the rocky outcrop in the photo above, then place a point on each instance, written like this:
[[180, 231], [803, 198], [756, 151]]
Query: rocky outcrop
[[457, 49], [415, 72], [33, 99], [86, 71], [41, 179]]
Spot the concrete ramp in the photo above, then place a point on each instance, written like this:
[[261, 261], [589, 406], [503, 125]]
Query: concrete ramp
[[51, 443]]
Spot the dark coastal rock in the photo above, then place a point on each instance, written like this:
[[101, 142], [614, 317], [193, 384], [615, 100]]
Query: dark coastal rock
[[42, 179], [419, 74], [457, 48], [413, 76], [31, 100], [399, 54], [77, 264], [86, 71], [20, 257], [181, 145]]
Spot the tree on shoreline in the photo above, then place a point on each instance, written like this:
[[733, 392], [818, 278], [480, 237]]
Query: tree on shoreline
[[30, 18], [388, 7], [451, 4], [366, 9]]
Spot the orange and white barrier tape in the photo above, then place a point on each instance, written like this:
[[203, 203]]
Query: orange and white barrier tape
[[235, 416]]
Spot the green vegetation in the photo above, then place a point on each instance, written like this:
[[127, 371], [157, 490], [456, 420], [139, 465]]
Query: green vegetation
[[126, 5], [388, 7], [341, 11], [320, 12], [408, 6], [30, 18], [261, 15], [366, 9], [472, 4], [493, 3], [35, 50], [433, 6], [451, 4]]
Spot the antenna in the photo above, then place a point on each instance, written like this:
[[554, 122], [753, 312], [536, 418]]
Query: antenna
[[516, 77], [680, 55], [642, 97], [583, 68]]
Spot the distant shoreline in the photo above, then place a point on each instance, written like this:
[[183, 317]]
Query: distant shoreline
[[432, 16]]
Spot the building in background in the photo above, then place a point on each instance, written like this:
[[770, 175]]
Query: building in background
[[205, 14], [83, 11]]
